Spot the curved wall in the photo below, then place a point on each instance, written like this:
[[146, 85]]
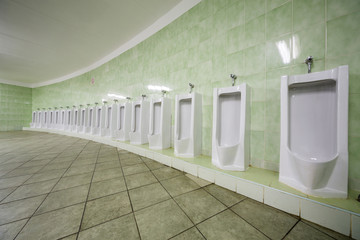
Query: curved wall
[[258, 40]]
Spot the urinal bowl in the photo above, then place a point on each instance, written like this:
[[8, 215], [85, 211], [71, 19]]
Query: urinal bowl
[[183, 148], [228, 155], [312, 174], [155, 141]]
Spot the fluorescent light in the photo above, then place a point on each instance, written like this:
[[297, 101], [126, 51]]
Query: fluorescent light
[[284, 51], [116, 96], [158, 88]]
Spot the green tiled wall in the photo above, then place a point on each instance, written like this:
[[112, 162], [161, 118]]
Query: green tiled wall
[[259, 40], [15, 107]]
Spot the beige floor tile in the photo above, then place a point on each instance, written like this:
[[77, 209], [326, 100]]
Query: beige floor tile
[[140, 179], [225, 196], [133, 169], [55, 166], [34, 163], [201, 182], [73, 181], [44, 176], [166, 173], [199, 205], [191, 234], [272, 222], [130, 161], [147, 195], [13, 181], [23, 171], [64, 198], [59, 223], [107, 165], [10, 230], [5, 192], [76, 170], [107, 174], [303, 231], [107, 187], [152, 165], [31, 190], [327, 231], [179, 185], [162, 221], [120, 228], [106, 208], [227, 225], [19, 209]]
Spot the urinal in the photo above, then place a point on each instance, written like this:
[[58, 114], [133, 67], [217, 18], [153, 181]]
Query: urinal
[[188, 125], [160, 123], [56, 119], [110, 116], [90, 120], [314, 132], [139, 122], [68, 119], [34, 117], [231, 128], [39, 119], [99, 120], [48, 118], [123, 122], [82, 120], [62, 113], [76, 119]]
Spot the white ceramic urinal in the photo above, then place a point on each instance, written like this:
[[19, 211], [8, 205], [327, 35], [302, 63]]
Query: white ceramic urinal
[[188, 125], [83, 115], [90, 120], [160, 123], [68, 119], [110, 116], [123, 122], [139, 122], [231, 128], [314, 132], [62, 119], [48, 118], [56, 119], [34, 117], [76, 119], [39, 119], [99, 120]]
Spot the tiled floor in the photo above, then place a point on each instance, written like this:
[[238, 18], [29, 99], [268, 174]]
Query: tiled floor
[[54, 186]]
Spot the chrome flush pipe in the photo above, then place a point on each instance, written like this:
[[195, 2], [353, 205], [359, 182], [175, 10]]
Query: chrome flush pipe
[[191, 87], [233, 77], [309, 61], [163, 92]]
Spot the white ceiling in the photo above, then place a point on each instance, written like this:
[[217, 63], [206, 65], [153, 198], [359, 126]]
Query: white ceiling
[[46, 41]]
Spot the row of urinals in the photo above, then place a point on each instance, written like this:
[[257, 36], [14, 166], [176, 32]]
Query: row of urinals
[[313, 147]]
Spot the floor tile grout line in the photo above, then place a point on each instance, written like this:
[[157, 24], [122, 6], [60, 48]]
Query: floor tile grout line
[[23, 184], [287, 233], [87, 197], [171, 197], [42, 200], [318, 229], [131, 205]]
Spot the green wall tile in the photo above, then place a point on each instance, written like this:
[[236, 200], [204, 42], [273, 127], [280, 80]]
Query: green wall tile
[[254, 8], [257, 116], [308, 12], [254, 59], [272, 146], [271, 4], [278, 21], [255, 31], [336, 8], [279, 52], [354, 115], [343, 35], [257, 145]]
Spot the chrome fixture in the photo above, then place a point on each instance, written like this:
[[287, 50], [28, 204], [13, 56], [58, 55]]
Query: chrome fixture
[[88, 104], [74, 106], [233, 77], [96, 103], [309, 61], [163, 92], [143, 96], [67, 107], [104, 102], [115, 100], [191, 87], [81, 105], [128, 98]]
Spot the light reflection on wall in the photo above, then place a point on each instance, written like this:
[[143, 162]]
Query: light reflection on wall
[[158, 88]]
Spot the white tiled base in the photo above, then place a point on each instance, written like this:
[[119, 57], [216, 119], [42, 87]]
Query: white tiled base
[[343, 221]]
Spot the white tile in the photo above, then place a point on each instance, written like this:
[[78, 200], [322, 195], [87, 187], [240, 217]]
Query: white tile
[[225, 181], [206, 174], [177, 164], [149, 154], [191, 168], [250, 190], [329, 217], [355, 227], [280, 200]]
